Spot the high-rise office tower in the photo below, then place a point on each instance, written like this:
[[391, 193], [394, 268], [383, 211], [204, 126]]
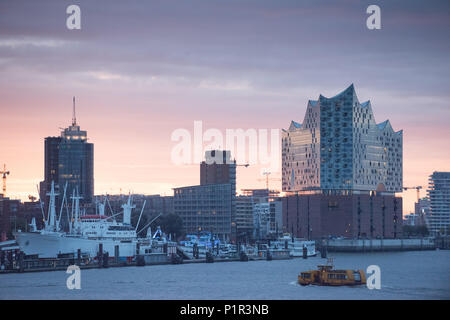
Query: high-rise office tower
[[439, 194], [70, 158], [339, 148], [51, 163], [219, 168], [210, 206]]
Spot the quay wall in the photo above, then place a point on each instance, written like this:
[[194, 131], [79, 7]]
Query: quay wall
[[369, 245]]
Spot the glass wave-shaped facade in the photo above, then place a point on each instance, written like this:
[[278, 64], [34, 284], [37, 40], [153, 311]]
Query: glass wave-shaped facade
[[339, 146]]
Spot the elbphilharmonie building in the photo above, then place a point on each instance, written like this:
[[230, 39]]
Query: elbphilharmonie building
[[341, 170], [340, 149]]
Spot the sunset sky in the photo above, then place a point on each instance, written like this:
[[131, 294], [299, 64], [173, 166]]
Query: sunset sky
[[142, 69]]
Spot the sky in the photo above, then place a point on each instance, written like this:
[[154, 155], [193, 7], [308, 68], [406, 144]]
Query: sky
[[142, 69]]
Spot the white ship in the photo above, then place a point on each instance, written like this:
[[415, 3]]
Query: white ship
[[295, 246], [86, 233]]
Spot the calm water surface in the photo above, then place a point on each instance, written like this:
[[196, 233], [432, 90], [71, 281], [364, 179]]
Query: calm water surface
[[404, 275]]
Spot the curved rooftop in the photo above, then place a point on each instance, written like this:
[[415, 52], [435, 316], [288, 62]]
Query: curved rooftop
[[350, 88], [295, 125]]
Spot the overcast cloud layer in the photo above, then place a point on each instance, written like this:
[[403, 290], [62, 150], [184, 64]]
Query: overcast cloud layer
[[229, 63]]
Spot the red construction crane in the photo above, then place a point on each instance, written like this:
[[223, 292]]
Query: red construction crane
[[4, 173], [418, 191]]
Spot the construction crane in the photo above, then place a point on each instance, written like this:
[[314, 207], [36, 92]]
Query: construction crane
[[4, 173], [242, 165], [418, 191], [267, 173]]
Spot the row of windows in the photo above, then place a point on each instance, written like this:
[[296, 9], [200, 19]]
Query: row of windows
[[339, 276]]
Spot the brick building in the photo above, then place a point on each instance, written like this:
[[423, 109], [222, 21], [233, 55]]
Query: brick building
[[15, 215], [316, 216]]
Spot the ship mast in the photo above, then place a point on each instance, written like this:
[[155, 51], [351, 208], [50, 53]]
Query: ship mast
[[101, 209], [71, 220], [51, 221], [76, 215], [58, 221], [127, 211]]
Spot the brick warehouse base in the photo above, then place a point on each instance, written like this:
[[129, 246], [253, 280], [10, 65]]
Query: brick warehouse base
[[349, 216]]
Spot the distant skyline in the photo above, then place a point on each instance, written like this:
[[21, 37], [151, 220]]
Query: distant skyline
[[141, 70]]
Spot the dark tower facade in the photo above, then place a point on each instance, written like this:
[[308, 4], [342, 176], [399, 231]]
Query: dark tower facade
[[70, 159], [76, 167], [51, 160]]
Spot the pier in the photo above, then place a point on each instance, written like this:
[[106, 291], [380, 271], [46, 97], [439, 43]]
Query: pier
[[15, 261]]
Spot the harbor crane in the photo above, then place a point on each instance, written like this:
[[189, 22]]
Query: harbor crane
[[418, 191], [4, 173], [418, 198], [267, 173]]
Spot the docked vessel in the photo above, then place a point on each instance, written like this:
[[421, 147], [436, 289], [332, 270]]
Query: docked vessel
[[294, 245], [86, 233], [326, 275], [202, 243], [203, 240]]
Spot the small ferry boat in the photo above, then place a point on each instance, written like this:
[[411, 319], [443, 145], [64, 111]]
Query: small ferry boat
[[327, 276]]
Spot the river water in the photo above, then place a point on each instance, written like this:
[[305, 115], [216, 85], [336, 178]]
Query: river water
[[404, 275]]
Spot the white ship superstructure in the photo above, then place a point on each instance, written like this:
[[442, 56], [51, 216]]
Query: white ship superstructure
[[295, 246], [86, 232]]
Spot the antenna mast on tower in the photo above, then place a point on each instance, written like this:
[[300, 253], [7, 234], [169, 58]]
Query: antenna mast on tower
[[74, 118]]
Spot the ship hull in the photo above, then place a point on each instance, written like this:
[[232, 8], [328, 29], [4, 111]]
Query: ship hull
[[50, 245], [296, 248]]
